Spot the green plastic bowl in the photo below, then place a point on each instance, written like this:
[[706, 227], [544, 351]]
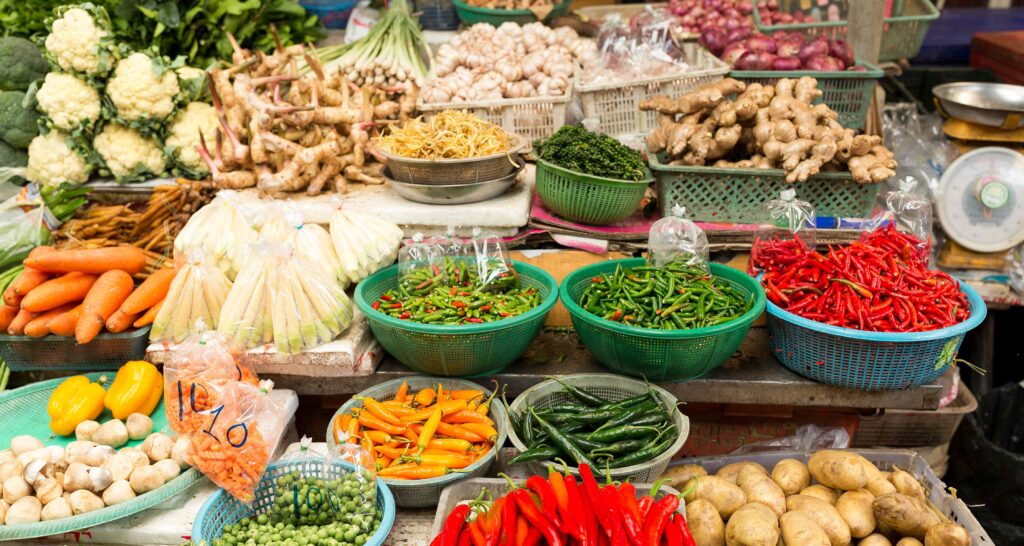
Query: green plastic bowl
[[588, 199], [466, 350], [471, 14], [659, 355]]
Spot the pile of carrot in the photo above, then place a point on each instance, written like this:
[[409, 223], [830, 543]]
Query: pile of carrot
[[421, 435], [82, 292]]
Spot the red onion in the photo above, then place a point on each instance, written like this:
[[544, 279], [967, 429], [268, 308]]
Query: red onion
[[786, 63], [714, 39], [857, 68], [814, 48], [822, 63], [737, 35], [841, 50], [733, 52], [753, 60], [761, 43]]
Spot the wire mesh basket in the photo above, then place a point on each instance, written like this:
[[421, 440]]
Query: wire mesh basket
[[452, 172], [104, 352], [437, 14], [422, 493], [612, 388]]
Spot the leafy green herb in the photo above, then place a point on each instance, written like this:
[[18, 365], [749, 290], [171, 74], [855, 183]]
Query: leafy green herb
[[577, 149]]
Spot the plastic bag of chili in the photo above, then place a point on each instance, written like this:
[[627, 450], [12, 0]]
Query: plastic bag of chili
[[784, 222], [676, 239]]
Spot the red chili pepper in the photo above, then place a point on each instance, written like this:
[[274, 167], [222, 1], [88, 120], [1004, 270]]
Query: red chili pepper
[[452, 293], [632, 522], [465, 539], [536, 519], [680, 523], [386, 297], [533, 537], [658, 518], [376, 305], [613, 513], [509, 519], [453, 525], [548, 504], [476, 532], [474, 319], [570, 525], [492, 523], [459, 304], [581, 512], [405, 315], [485, 308]]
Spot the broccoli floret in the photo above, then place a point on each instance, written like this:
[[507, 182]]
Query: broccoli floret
[[17, 124], [11, 156], [21, 63]]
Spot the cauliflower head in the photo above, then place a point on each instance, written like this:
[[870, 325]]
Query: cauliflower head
[[128, 154], [192, 82], [141, 89], [183, 136], [68, 101], [76, 42], [52, 162]]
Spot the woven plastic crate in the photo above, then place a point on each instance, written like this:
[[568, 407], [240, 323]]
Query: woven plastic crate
[[222, 509], [457, 350], [422, 493], [855, 359], [588, 199], [903, 33], [531, 118], [617, 104], [612, 388], [713, 194], [884, 459], [846, 92], [437, 14], [105, 352], [659, 355], [470, 489], [472, 14], [914, 428]]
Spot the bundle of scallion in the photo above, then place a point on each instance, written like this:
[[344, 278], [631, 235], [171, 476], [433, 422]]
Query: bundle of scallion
[[391, 54]]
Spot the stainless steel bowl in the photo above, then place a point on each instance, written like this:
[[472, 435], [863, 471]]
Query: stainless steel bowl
[[455, 194], [992, 104], [455, 171]]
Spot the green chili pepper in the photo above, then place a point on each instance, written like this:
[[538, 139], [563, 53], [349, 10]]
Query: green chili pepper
[[539, 453], [623, 432], [562, 441], [653, 449]]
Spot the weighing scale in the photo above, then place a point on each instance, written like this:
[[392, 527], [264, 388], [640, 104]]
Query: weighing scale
[[980, 199]]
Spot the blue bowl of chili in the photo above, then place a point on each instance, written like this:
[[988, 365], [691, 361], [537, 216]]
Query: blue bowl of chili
[[858, 359], [463, 350], [659, 355]]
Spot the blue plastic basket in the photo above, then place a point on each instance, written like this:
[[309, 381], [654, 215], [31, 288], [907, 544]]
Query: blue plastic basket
[[871, 361], [222, 509]]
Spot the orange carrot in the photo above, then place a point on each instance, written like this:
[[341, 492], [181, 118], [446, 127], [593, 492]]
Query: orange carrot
[[27, 280], [64, 324], [56, 292], [7, 314], [120, 321], [149, 293], [109, 292], [91, 260], [150, 315], [17, 326], [38, 327]]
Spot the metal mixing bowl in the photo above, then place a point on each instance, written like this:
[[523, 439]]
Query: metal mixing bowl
[[457, 194], [455, 171], [992, 104]]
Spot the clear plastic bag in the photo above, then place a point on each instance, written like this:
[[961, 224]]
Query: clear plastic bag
[[639, 48], [282, 297], [419, 255], [239, 436], [363, 243], [807, 438], [25, 223], [493, 266], [204, 359], [676, 239], [784, 221], [221, 231], [194, 300], [910, 212]]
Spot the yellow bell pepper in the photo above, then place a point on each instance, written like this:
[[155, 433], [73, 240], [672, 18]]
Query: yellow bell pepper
[[75, 400], [137, 388]]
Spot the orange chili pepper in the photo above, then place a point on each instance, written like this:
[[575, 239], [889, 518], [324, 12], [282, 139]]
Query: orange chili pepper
[[455, 431], [468, 416], [476, 532], [413, 471], [450, 444], [403, 390], [425, 397], [485, 431], [391, 452], [485, 407], [450, 460], [447, 408], [398, 408], [465, 394], [370, 421], [521, 531], [442, 395], [430, 427], [379, 437], [379, 411], [352, 431], [382, 463]]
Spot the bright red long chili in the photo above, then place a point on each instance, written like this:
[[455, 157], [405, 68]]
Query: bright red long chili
[[658, 518], [582, 513], [539, 521], [453, 525], [679, 522], [548, 503]]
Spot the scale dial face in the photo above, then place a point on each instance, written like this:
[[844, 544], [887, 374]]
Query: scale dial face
[[980, 199]]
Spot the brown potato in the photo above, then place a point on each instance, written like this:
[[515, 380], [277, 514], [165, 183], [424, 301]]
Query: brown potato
[[909, 541], [819, 491], [706, 525], [880, 486], [753, 524], [906, 515], [874, 539], [791, 475], [800, 529], [825, 515], [855, 508], [762, 489], [731, 471], [906, 483], [726, 496], [678, 475], [947, 534], [839, 469]]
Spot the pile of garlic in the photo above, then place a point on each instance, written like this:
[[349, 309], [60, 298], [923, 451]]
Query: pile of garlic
[[510, 61], [42, 483]]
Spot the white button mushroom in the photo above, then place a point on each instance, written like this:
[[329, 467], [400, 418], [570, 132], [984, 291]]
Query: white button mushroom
[[120, 466], [83, 501], [15, 488], [58, 509], [48, 490], [157, 446], [179, 453], [23, 443], [139, 426], [77, 451], [146, 479], [11, 469], [168, 469], [118, 492], [26, 510], [98, 455], [113, 433], [86, 429]]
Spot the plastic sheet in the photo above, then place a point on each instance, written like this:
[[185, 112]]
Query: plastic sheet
[[784, 219], [677, 239], [807, 438]]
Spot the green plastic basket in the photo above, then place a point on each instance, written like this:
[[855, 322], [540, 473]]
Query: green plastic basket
[[902, 34], [24, 412], [588, 199], [847, 92], [659, 355], [714, 194], [466, 350], [472, 14]]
